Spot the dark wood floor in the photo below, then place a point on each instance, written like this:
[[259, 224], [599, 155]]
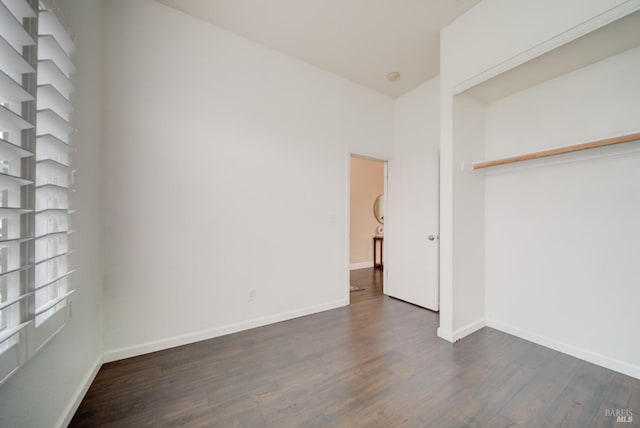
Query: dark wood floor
[[370, 280], [375, 363]]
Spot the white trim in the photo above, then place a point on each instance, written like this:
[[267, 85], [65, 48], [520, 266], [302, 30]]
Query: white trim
[[383, 250], [463, 331], [576, 32], [566, 348], [361, 265], [79, 394], [184, 339], [466, 330], [445, 334], [347, 237]]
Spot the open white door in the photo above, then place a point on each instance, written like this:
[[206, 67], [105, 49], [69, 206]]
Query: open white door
[[412, 229]]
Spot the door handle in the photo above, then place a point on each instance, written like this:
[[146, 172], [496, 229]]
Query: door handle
[[431, 237]]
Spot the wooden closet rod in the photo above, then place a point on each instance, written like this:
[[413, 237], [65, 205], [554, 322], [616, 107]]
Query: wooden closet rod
[[560, 151]]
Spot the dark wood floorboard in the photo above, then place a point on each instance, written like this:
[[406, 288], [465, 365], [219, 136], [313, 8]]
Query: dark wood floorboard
[[375, 363], [370, 280]]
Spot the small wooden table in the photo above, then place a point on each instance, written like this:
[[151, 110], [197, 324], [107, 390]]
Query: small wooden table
[[378, 240]]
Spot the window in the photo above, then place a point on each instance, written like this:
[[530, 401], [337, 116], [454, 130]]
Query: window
[[35, 132]]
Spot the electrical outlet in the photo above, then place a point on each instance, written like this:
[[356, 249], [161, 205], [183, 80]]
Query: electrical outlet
[[252, 295]]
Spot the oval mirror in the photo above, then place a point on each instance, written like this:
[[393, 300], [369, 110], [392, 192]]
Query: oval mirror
[[378, 209]]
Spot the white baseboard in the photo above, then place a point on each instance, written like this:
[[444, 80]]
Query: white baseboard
[[454, 336], [361, 265], [584, 354], [445, 334], [184, 339], [468, 329], [79, 394]]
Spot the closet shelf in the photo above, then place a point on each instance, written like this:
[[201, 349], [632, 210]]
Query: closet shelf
[[559, 151]]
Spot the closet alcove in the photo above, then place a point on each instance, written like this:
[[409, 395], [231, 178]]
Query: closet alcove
[[553, 239]]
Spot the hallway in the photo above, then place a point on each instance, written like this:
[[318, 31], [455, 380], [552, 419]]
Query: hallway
[[370, 280]]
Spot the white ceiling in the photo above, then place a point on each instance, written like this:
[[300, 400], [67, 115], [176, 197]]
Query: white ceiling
[[361, 40]]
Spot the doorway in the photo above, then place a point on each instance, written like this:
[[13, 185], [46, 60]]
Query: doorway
[[367, 188]]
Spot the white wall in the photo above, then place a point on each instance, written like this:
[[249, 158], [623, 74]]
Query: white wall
[[226, 171], [46, 389], [462, 265], [417, 123], [592, 103], [563, 237], [468, 216]]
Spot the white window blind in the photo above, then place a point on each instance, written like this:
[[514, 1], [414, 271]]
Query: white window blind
[[52, 168], [17, 149], [35, 132]]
